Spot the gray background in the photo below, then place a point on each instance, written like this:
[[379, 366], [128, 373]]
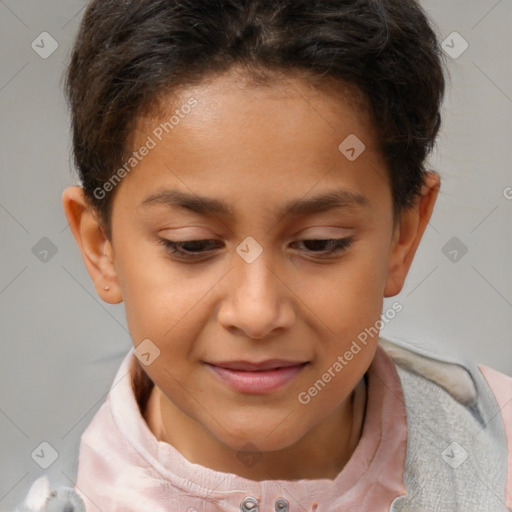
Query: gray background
[[61, 345]]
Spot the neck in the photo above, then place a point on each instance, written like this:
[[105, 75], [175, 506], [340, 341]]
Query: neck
[[321, 453]]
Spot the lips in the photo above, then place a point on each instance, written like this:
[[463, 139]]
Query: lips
[[248, 366], [257, 377]]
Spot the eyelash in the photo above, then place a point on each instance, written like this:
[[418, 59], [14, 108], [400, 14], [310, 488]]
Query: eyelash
[[336, 245]]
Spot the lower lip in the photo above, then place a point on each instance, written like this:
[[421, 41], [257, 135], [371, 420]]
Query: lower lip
[[266, 381]]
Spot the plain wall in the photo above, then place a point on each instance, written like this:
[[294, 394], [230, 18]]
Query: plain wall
[[61, 345]]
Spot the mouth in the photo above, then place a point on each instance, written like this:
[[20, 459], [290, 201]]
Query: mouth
[[257, 377]]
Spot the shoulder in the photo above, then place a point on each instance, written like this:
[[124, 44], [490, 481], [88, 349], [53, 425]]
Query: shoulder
[[501, 387], [454, 401], [458, 376], [453, 376]]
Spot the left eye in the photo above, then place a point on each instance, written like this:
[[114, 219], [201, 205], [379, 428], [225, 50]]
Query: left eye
[[193, 248], [329, 246]]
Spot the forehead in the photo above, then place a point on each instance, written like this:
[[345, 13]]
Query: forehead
[[298, 108], [284, 135]]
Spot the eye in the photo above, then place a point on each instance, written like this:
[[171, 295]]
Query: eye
[[328, 246], [190, 249], [200, 249]]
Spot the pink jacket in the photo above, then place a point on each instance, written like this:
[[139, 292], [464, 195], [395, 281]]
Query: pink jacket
[[123, 467]]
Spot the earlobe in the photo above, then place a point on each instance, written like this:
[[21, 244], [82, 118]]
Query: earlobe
[[96, 249], [409, 233]]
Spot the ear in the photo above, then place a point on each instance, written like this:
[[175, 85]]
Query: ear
[[408, 234], [97, 251]]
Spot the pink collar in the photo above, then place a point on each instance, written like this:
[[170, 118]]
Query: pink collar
[[123, 466]]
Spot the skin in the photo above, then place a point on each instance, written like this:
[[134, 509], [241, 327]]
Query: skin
[[291, 302]]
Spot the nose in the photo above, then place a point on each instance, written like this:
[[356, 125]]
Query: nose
[[257, 299]]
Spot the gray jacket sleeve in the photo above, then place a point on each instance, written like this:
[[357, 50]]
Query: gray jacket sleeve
[[42, 498]]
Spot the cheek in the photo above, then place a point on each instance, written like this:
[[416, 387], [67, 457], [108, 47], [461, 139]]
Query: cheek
[[362, 305], [349, 294], [165, 302], [367, 275], [153, 292], [348, 301]]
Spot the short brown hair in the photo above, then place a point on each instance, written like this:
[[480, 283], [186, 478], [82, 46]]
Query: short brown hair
[[130, 53]]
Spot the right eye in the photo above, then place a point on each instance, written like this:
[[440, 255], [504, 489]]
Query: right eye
[[190, 249]]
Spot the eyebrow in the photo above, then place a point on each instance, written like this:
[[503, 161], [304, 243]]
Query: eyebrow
[[208, 206]]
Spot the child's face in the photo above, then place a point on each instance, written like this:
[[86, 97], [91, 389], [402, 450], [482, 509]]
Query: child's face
[[256, 151]]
